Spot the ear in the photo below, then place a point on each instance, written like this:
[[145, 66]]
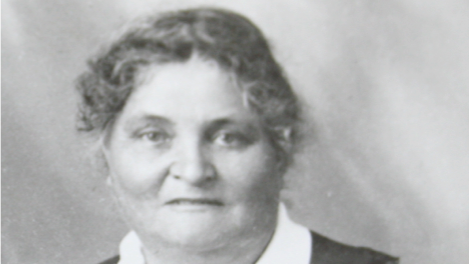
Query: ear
[[105, 159], [109, 180], [104, 149], [105, 142], [287, 133], [286, 144], [286, 138]]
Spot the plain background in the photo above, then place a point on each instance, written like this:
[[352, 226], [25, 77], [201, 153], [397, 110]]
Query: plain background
[[385, 85]]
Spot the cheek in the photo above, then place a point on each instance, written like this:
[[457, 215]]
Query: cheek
[[135, 172], [251, 173]]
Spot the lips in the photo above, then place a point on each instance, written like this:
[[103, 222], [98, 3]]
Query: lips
[[195, 202]]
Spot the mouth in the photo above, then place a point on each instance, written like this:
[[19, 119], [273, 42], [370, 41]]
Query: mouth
[[194, 202]]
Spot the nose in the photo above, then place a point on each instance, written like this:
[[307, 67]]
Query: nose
[[192, 164]]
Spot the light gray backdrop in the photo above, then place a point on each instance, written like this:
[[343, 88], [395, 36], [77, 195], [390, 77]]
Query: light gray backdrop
[[386, 92]]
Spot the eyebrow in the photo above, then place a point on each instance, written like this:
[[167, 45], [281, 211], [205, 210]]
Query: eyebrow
[[213, 126], [147, 120], [220, 123]]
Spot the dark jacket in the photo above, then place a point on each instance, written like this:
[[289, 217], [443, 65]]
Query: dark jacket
[[327, 251]]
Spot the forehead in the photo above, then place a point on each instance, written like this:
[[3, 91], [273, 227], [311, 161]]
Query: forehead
[[195, 90]]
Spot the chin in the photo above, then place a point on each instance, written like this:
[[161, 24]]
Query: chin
[[196, 237], [199, 232]]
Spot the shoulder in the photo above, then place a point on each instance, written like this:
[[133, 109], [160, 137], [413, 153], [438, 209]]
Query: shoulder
[[327, 251], [113, 260]]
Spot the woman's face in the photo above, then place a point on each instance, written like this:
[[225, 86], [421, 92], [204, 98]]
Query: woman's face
[[189, 163]]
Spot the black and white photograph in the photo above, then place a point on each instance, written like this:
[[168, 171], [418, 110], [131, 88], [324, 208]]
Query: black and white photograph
[[235, 132]]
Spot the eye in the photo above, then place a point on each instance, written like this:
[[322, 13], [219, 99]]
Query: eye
[[158, 137], [231, 139]]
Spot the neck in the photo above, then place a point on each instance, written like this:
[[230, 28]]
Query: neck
[[247, 251]]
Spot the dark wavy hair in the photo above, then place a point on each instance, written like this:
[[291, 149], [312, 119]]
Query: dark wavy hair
[[229, 39]]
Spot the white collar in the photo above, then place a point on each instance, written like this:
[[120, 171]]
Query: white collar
[[291, 243]]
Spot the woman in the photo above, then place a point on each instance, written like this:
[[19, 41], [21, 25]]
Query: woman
[[198, 125]]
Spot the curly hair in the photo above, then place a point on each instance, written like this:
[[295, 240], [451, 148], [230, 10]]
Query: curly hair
[[229, 39]]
